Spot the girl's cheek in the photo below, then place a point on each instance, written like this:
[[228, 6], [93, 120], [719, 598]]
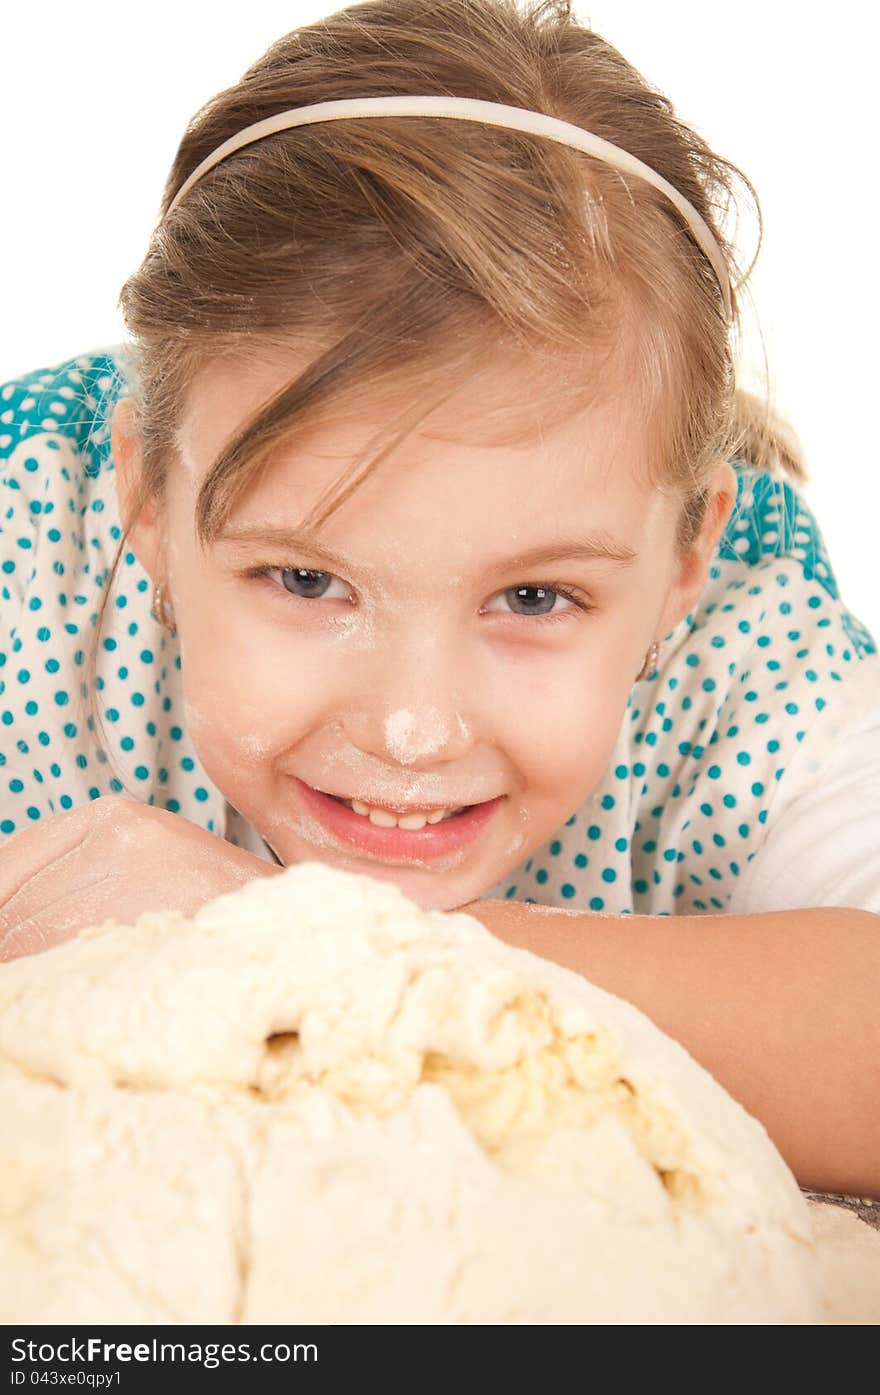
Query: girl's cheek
[[233, 717], [570, 719], [246, 718]]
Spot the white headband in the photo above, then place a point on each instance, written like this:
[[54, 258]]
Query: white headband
[[493, 114]]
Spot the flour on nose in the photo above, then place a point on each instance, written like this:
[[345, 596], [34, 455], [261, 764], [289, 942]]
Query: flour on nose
[[407, 738]]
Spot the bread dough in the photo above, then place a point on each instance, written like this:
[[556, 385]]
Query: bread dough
[[315, 1102]]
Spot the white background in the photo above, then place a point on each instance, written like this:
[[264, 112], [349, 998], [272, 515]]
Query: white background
[[94, 99]]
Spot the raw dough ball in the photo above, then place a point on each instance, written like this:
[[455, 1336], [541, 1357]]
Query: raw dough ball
[[315, 1102]]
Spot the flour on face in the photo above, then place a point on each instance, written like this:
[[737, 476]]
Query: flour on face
[[408, 737]]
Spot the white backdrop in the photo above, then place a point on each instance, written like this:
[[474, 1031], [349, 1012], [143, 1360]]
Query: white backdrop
[[93, 102]]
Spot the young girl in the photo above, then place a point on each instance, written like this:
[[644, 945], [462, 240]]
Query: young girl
[[421, 529]]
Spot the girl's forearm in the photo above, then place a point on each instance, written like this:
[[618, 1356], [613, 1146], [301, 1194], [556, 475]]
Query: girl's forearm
[[783, 1008]]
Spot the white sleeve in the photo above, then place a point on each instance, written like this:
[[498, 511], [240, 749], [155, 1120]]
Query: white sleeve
[[823, 849]]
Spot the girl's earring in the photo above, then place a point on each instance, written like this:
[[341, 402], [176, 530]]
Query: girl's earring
[[158, 610], [650, 663]]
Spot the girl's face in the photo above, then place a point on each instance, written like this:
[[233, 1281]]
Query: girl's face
[[447, 640]]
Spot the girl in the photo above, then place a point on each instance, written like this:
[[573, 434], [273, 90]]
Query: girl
[[421, 529]]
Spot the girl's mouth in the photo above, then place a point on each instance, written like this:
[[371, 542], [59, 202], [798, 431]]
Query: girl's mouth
[[447, 834]]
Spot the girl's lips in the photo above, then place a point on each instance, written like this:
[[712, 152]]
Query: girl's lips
[[398, 844]]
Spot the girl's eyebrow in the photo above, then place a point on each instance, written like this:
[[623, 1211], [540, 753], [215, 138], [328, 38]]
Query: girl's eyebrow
[[589, 547]]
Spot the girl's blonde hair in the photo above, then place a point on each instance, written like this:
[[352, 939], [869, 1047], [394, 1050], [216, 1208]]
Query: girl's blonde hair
[[404, 254]]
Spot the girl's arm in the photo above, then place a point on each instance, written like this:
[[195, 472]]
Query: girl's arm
[[783, 1008]]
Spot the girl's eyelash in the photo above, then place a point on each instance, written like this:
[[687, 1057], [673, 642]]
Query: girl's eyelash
[[558, 587]]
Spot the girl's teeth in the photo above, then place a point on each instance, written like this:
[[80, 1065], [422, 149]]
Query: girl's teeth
[[382, 819]]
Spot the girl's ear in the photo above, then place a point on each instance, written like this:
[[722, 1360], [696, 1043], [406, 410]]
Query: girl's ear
[[144, 538], [693, 567]]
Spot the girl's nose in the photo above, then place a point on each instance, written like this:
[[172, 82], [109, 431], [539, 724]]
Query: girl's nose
[[416, 735], [410, 709]]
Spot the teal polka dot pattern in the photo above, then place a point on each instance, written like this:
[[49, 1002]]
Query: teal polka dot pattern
[[768, 660], [59, 531]]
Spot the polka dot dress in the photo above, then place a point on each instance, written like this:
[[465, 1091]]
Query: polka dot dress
[[59, 531], [708, 748]]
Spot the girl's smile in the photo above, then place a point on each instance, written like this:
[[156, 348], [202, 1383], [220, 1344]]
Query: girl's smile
[[413, 839]]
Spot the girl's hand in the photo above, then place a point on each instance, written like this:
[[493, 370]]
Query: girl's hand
[[111, 859]]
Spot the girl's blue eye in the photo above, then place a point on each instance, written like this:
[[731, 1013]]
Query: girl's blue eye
[[304, 582], [540, 601], [314, 584], [534, 600]]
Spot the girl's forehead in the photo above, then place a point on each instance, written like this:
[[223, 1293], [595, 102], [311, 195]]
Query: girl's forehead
[[508, 444], [509, 396]]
